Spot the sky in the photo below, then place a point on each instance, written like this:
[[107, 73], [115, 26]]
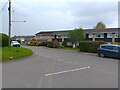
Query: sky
[[44, 15]]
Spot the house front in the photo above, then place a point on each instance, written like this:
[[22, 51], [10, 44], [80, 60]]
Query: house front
[[108, 35]]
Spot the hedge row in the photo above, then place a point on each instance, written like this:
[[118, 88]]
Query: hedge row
[[4, 40], [90, 46]]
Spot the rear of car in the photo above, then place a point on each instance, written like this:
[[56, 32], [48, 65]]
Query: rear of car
[[15, 44], [109, 50]]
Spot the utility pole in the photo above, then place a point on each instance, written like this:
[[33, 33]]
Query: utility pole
[[9, 9]]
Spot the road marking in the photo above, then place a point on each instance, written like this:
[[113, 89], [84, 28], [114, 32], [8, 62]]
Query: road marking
[[60, 59], [67, 71]]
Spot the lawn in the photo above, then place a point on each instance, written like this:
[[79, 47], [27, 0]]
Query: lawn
[[13, 53]]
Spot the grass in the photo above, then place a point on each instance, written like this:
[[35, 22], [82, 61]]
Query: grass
[[13, 53]]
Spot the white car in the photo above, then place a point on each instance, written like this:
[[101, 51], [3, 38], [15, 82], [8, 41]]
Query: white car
[[15, 43]]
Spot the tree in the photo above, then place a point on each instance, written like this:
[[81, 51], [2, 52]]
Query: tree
[[100, 25], [76, 36]]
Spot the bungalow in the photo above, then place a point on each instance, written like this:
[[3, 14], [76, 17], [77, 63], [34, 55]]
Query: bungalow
[[108, 35]]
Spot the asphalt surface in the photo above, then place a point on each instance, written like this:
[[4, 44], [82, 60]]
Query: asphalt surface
[[52, 68]]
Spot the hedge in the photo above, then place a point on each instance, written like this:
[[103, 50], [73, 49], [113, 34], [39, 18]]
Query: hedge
[[90, 46], [4, 40]]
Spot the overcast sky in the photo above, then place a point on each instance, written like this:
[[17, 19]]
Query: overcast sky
[[42, 15]]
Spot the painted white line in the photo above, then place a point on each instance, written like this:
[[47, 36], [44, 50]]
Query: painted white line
[[67, 71], [60, 59]]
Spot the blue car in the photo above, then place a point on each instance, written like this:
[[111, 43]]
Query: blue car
[[109, 50]]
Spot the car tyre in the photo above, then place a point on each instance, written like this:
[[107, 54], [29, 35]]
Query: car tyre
[[102, 55]]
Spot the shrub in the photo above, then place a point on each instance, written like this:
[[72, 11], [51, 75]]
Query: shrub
[[43, 44], [61, 46], [116, 43], [50, 44], [90, 46], [4, 40], [33, 42], [55, 43], [64, 44]]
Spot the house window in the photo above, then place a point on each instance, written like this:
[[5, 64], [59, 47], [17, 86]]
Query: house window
[[90, 35], [99, 35], [59, 36], [109, 35], [117, 35], [65, 36]]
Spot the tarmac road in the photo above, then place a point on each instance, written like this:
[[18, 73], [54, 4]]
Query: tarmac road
[[52, 68]]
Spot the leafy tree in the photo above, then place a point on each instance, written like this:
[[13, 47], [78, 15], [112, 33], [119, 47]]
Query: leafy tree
[[76, 35], [100, 25]]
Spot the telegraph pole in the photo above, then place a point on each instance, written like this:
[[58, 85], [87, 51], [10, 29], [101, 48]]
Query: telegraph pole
[[9, 9]]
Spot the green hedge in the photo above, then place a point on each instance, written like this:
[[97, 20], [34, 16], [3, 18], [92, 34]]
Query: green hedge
[[43, 44], [90, 46], [53, 44], [4, 40]]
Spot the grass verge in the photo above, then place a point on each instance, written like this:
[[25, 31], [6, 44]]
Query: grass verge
[[13, 53]]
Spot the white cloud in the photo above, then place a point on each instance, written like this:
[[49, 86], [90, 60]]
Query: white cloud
[[62, 14]]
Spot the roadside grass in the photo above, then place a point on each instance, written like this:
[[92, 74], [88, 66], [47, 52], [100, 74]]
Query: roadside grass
[[13, 53]]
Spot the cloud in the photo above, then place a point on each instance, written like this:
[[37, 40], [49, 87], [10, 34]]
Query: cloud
[[62, 14]]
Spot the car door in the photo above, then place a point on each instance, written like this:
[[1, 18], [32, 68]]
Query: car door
[[109, 51], [116, 51]]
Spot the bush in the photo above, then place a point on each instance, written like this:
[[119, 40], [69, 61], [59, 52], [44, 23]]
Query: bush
[[4, 40], [33, 42], [116, 43], [43, 44], [64, 44], [50, 44], [61, 46], [55, 43], [90, 46]]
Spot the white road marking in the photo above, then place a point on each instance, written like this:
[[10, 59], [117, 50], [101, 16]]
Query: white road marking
[[67, 71], [60, 59]]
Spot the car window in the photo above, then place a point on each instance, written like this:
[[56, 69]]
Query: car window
[[107, 47], [115, 48]]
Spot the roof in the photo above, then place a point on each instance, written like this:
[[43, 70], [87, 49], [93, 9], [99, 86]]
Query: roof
[[113, 30], [28, 36]]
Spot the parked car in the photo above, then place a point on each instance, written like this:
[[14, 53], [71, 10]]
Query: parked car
[[15, 43], [109, 50]]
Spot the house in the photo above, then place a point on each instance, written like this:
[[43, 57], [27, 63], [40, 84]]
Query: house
[[108, 35], [24, 39]]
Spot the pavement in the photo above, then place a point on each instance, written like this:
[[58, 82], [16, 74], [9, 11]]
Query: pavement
[[53, 68]]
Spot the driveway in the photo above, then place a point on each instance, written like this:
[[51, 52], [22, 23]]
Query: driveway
[[52, 68]]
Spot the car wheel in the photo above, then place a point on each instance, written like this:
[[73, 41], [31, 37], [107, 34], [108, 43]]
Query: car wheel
[[102, 55]]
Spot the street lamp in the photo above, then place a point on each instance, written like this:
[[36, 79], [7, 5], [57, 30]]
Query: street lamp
[[18, 21]]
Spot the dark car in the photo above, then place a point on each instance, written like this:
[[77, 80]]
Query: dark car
[[109, 50]]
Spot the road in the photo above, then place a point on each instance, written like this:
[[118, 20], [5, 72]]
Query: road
[[52, 68]]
